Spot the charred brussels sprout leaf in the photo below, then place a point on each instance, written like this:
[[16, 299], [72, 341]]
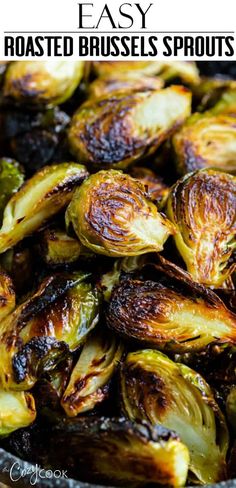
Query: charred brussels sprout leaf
[[156, 389], [89, 382], [206, 141], [39, 333], [170, 316], [203, 207], [121, 452], [105, 86], [112, 215], [11, 178], [7, 295], [57, 248], [43, 83], [42, 196], [17, 410], [120, 129]]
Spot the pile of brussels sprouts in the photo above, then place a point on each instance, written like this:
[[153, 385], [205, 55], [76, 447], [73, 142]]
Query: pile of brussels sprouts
[[117, 270]]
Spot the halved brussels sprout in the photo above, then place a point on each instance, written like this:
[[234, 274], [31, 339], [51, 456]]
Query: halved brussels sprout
[[89, 381], [47, 83], [17, 410], [174, 316], [118, 452], [115, 131], [7, 295], [156, 389], [19, 264], [206, 141], [39, 333], [186, 71], [226, 103], [123, 82], [157, 190], [112, 215], [11, 178], [210, 91], [203, 207], [57, 248], [41, 197]]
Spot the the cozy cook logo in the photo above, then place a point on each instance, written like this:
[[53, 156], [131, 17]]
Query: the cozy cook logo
[[33, 473]]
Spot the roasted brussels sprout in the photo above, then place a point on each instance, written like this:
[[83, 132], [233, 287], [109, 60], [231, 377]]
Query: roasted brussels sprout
[[203, 207], [19, 264], [157, 190], [227, 103], [7, 295], [121, 452], [34, 138], [50, 387], [45, 83], [115, 131], [206, 141], [39, 333], [107, 85], [156, 389], [89, 381], [17, 410], [11, 178], [186, 71], [177, 317], [42, 196], [210, 91], [112, 215], [120, 267], [57, 248]]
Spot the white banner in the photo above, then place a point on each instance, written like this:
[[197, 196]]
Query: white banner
[[118, 29]]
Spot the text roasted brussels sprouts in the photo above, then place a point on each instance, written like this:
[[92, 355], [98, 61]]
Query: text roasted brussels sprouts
[[11, 178], [39, 333], [172, 316], [118, 130], [206, 141], [89, 382], [17, 410], [156, 389], [121, 452], [112, 215], [41, 197], [47, 83], [203, 207]]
